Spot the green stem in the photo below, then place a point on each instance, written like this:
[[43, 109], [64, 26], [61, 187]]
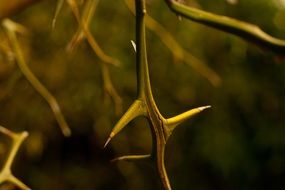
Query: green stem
[[244, 30], [145, 93], [159, 143], [144, 86], [143, 79], [38, 86]]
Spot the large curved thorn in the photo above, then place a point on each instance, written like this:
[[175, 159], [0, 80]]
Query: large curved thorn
[[135, 110], [174, 121]]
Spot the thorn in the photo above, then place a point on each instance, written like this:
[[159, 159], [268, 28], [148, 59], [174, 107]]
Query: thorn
[[204, 107], [136, 109], [175, 121], [25, 134], [107, 142], [66, 132], [109, 139], [53, 24], [134, 45]]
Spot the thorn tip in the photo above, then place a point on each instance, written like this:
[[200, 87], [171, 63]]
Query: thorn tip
[[107, 142], [66, 131], [134, 45], [204, 107]]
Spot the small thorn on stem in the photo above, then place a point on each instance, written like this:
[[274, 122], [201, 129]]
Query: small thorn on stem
[[134, 45]]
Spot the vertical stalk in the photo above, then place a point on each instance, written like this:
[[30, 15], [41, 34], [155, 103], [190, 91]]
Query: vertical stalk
[[145, 105], [159, 143], [141, 56], [145, 93], [143, 80]]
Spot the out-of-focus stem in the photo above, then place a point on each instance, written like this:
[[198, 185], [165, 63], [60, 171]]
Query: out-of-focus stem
[[239, 28], [33, 79], [5, 173], [176, 49]]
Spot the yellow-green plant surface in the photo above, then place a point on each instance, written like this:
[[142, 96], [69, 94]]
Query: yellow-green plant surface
[[197, 55]]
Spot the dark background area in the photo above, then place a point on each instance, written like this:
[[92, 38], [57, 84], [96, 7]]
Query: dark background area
[[238, 144]]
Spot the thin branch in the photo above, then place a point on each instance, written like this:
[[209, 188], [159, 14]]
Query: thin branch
[[74, 8], [131, 158], [96, 48], [83, 25], [5, 173], [242, 29], [176, 49], [87, 14], [83, 31], [38, 86], [110, 90], [58, 8]]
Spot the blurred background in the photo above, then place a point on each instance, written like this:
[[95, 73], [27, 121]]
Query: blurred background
[[238, 144]]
